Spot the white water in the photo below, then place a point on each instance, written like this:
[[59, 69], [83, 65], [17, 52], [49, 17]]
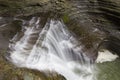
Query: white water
[[51, 49], [105, 56]]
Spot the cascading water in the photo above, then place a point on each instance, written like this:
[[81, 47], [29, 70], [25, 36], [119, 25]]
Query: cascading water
[[52, 48]]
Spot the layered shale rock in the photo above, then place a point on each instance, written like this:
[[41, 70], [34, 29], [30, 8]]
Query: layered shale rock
[[28, 7], [96, 21]]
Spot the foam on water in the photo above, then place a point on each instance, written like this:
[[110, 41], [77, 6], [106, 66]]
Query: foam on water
[[105, 56], [53, 48]]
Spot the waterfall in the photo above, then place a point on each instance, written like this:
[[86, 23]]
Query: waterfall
[[51, 48]]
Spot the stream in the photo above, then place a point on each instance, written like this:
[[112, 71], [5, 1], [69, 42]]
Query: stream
[[52, 49]]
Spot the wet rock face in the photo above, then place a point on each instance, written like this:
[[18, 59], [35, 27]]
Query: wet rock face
[[112, 44], [107, 20], [29, 7], [8, 28], [15, 7], [94, 21]]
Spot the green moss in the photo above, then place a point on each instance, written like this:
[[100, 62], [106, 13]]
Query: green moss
[[65, 18]]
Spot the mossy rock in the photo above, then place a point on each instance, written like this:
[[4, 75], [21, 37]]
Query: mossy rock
[[65, 18]]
